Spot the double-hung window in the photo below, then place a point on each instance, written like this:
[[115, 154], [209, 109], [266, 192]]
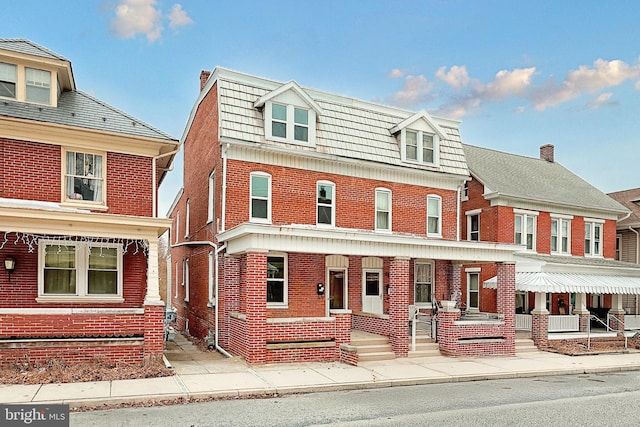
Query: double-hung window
[[8, 77], [419, 146], [524, 227], [422, 282], [38, 85], [211, 206], [276, 280], [434, 216], [325, 203], [84, 177], [289, 123], [560, 235], [473, 225], [260, 206], [473, 290], [70, 269], [383, 210], [593, 237]]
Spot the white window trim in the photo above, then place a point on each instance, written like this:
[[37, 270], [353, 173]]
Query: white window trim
[[211, 205], [430, 303], [212, 290], [464, 194], [177, 280], [420, 140], [560, 219], [390, 195], [333, 203], [469, 274], [187, 214], [470, 214], [82, 269], [599, 223], [177, 230], [526, 214], [285, 292], [186, 280], [439, 215], [87, 204], [290, 125], [21, 85], [251, 218]]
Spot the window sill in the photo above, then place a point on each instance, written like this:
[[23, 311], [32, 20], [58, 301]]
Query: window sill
[[89, 206], [78, 299], [277, 306]]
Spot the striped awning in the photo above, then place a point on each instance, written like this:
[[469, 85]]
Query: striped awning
[[572, 283]]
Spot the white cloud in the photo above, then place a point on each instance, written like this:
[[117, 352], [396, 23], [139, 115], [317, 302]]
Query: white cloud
[[178, 17], [507, 84], [396, 73], [415, 90], [456, 77], [604, 74], [520, 109], [601, 101], [134, 17]]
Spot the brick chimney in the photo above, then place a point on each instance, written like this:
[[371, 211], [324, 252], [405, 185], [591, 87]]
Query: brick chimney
[[204, 76], [546, 152]]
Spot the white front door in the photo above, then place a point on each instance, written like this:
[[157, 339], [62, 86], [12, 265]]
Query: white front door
[[372, 291]]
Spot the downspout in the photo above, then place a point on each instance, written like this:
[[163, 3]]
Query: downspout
[[153, 172], [217, 251], [458, 213]]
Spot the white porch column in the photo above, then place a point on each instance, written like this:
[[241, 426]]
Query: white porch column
[[541, 303], [153, 282], [581, 304], [616, 303]]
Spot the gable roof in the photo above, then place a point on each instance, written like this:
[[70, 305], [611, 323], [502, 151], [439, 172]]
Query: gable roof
[[631, 200], [29, 48], [421, 115], [291, 86], [348, 128], [527, 178]]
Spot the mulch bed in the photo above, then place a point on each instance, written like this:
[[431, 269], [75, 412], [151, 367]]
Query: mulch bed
[[574, 348]]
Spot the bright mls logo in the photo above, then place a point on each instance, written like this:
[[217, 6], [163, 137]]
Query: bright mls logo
[[34, 415]]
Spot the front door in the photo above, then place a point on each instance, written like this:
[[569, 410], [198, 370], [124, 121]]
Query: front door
[[336, 289], [372, 291]]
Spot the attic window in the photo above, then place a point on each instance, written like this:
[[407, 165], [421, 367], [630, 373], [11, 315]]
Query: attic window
[[419, 146], [7, 80], [288, 123]]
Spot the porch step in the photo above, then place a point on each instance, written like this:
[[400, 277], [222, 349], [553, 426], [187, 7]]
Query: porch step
[[428, 349], [524, 345], [371, 347]]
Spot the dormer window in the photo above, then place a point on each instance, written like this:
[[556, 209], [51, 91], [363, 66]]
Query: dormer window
[[8, 80], [38, 86], [289, 115], [420, 137]]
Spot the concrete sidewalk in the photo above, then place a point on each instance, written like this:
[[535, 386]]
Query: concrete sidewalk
[[208, 375]]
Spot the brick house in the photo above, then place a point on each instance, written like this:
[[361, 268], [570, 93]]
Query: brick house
[[628, 238], [307, 216], [78, 226], [567, 228]]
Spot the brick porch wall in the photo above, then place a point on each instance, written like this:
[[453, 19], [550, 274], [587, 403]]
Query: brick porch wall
[[399, 279]]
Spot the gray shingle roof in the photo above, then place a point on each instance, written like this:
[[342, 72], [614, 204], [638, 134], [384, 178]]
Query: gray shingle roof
[[77, 109], [535, 179], [578, 260], [29, 48], [631, 200], [347, 128]]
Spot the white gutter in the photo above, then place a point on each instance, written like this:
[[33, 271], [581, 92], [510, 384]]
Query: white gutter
[[153, 182], [217, 251]]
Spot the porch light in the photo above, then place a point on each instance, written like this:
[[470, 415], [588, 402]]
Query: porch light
[[9, 265]]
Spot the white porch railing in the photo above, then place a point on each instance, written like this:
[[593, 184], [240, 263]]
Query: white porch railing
[[631, 322], [523, 322], [564, 323]]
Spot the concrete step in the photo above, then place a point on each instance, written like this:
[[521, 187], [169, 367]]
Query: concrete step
[[525, 345], [370, 340], [369, 357], [376, 348], [425, 350]]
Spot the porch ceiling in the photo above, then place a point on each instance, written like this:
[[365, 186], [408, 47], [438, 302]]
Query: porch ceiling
[[572, 283], [340, 241]]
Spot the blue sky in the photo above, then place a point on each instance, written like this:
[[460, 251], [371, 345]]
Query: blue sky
[[518, 74]]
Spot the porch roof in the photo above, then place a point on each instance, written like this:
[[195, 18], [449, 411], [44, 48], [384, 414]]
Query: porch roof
[[572, 283], [341, 241]]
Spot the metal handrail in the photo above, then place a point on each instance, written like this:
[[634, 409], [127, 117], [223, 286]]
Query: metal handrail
[[609, 329]]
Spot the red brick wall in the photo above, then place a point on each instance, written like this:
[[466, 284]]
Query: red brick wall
[[131, 353], [294, 200], [372, 324], [33, 171]]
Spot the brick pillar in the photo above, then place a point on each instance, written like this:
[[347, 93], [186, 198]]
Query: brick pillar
[[228, 297], [506, 303], [256, 306], [343, 329], [399, 306], [448, 333], [153, 332], [540, 321], [455, 287]]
